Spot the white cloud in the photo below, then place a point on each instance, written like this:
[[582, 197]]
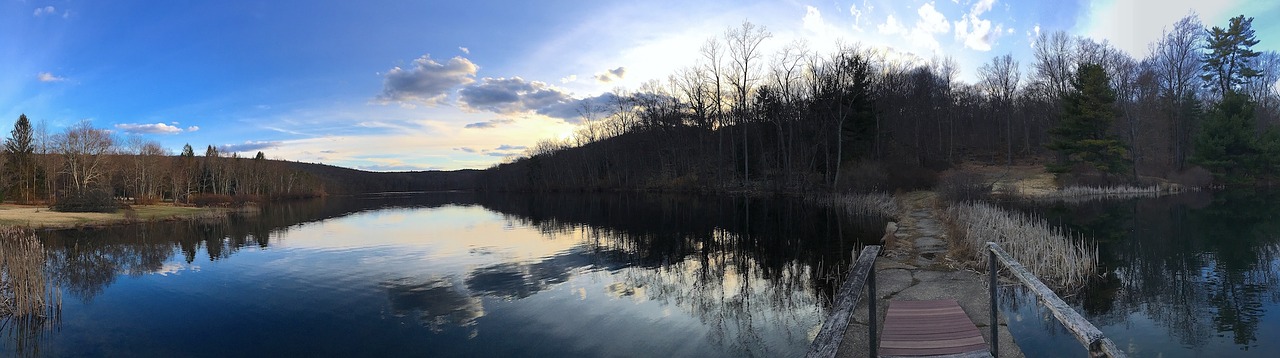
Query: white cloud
[[569, 79], [47, 10], [49, 77], [1131, 25], [978, 33], [857, 15], [931, 20], [464, 50], [150, 128], [427, 81], [611, 75], [813, 19], [920, 36], [891, 26], [191, 128]]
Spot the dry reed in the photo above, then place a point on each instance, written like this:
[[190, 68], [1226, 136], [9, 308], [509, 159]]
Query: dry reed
[[1057, 257], [25, 294], [874, 204], [1090, 193]]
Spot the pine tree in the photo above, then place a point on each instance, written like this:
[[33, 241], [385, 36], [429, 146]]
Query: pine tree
[[22, 169], [1081, 137], [1226, 65], [1226, 144]]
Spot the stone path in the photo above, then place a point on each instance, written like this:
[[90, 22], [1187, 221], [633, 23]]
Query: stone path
[[915, 266]]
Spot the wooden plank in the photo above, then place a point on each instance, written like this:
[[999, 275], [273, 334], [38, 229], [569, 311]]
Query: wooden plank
[[1085, 332], [827, 344], [929, 328]]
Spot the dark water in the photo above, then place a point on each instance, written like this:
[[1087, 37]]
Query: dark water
[[451, 274], [1187, 275]]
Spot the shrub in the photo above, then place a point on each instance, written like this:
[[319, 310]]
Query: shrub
[[909, 176], [211, 200], [1193, 177], [89, 201], [959, 186]]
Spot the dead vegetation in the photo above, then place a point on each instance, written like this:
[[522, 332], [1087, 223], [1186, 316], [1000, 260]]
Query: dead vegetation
[[1057, 257], [25, 294]]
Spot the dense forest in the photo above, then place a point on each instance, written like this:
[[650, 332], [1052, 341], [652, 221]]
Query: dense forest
[[1200, 108], [89, 169]]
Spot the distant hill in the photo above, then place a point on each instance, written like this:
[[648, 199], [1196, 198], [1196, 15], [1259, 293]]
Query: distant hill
[[339, 180]]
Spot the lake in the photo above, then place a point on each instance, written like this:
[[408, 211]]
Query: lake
[[1186, 275], [454, 274]]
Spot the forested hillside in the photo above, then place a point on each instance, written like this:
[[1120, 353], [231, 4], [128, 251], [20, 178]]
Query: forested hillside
[[1200, 102]]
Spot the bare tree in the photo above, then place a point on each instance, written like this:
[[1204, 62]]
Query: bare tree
[[1176, 60], [744, 54], [1054, 62], [84, 150], [1000, 81]]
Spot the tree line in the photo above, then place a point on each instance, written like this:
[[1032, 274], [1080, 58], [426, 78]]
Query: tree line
[[89, 169], [1199, 108]]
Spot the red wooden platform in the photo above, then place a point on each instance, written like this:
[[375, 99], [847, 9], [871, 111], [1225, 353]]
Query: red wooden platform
[[930, 328]]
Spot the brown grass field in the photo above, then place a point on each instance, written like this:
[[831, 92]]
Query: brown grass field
[[40, 217]]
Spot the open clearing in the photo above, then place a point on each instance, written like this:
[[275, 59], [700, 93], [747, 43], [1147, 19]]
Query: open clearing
[[40, 217]]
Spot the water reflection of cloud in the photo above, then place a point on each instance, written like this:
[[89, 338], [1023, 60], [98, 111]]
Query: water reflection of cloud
[[519, 280], [436, 302], [174, 268]]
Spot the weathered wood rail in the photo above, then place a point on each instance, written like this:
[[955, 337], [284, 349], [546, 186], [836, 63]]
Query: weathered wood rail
[[1092, 338], [862, 274]]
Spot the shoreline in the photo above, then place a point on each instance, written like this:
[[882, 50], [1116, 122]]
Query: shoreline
[[40, 217]]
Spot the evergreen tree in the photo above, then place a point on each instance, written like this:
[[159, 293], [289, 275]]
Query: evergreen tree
[[1226, 65], [1226, 144], [1081, 137], [21, 171]]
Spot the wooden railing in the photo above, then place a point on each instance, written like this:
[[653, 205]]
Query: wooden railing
[[863, 273], [1092, 338]]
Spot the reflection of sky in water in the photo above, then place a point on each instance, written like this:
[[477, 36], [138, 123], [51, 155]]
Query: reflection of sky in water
[[451, 281]]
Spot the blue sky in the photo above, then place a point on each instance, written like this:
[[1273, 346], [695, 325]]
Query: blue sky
[[413, 85]]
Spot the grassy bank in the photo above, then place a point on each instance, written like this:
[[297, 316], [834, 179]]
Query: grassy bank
[[40, 217]]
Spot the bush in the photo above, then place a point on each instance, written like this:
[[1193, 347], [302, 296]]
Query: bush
[[1086, 175], [1193, 177], [864, 177], [211, 200], [957, 186], [909, 176], [89, 201]]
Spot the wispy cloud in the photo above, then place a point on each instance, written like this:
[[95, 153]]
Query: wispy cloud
[[49, 77], [464, 50], [153, 128], [426, 81], [248, 146], [505, 150], [493, 123]]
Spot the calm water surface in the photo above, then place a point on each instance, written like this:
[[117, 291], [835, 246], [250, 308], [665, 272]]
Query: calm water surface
[[451, 274], [1190, 275]]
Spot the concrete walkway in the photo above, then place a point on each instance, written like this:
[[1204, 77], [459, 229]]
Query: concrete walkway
[[915, 266]]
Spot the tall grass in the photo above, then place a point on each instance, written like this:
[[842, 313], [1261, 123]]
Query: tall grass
[[1058, 258], [1089, 193], [25, 295], [874, 204]]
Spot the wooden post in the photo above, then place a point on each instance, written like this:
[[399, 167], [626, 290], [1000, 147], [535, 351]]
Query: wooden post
[[827, 344], [995, 325], [1085, 332], [871, 310]]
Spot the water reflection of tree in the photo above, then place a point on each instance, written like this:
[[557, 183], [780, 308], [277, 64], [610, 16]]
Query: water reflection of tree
[[739, 265], [1198, 264]]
